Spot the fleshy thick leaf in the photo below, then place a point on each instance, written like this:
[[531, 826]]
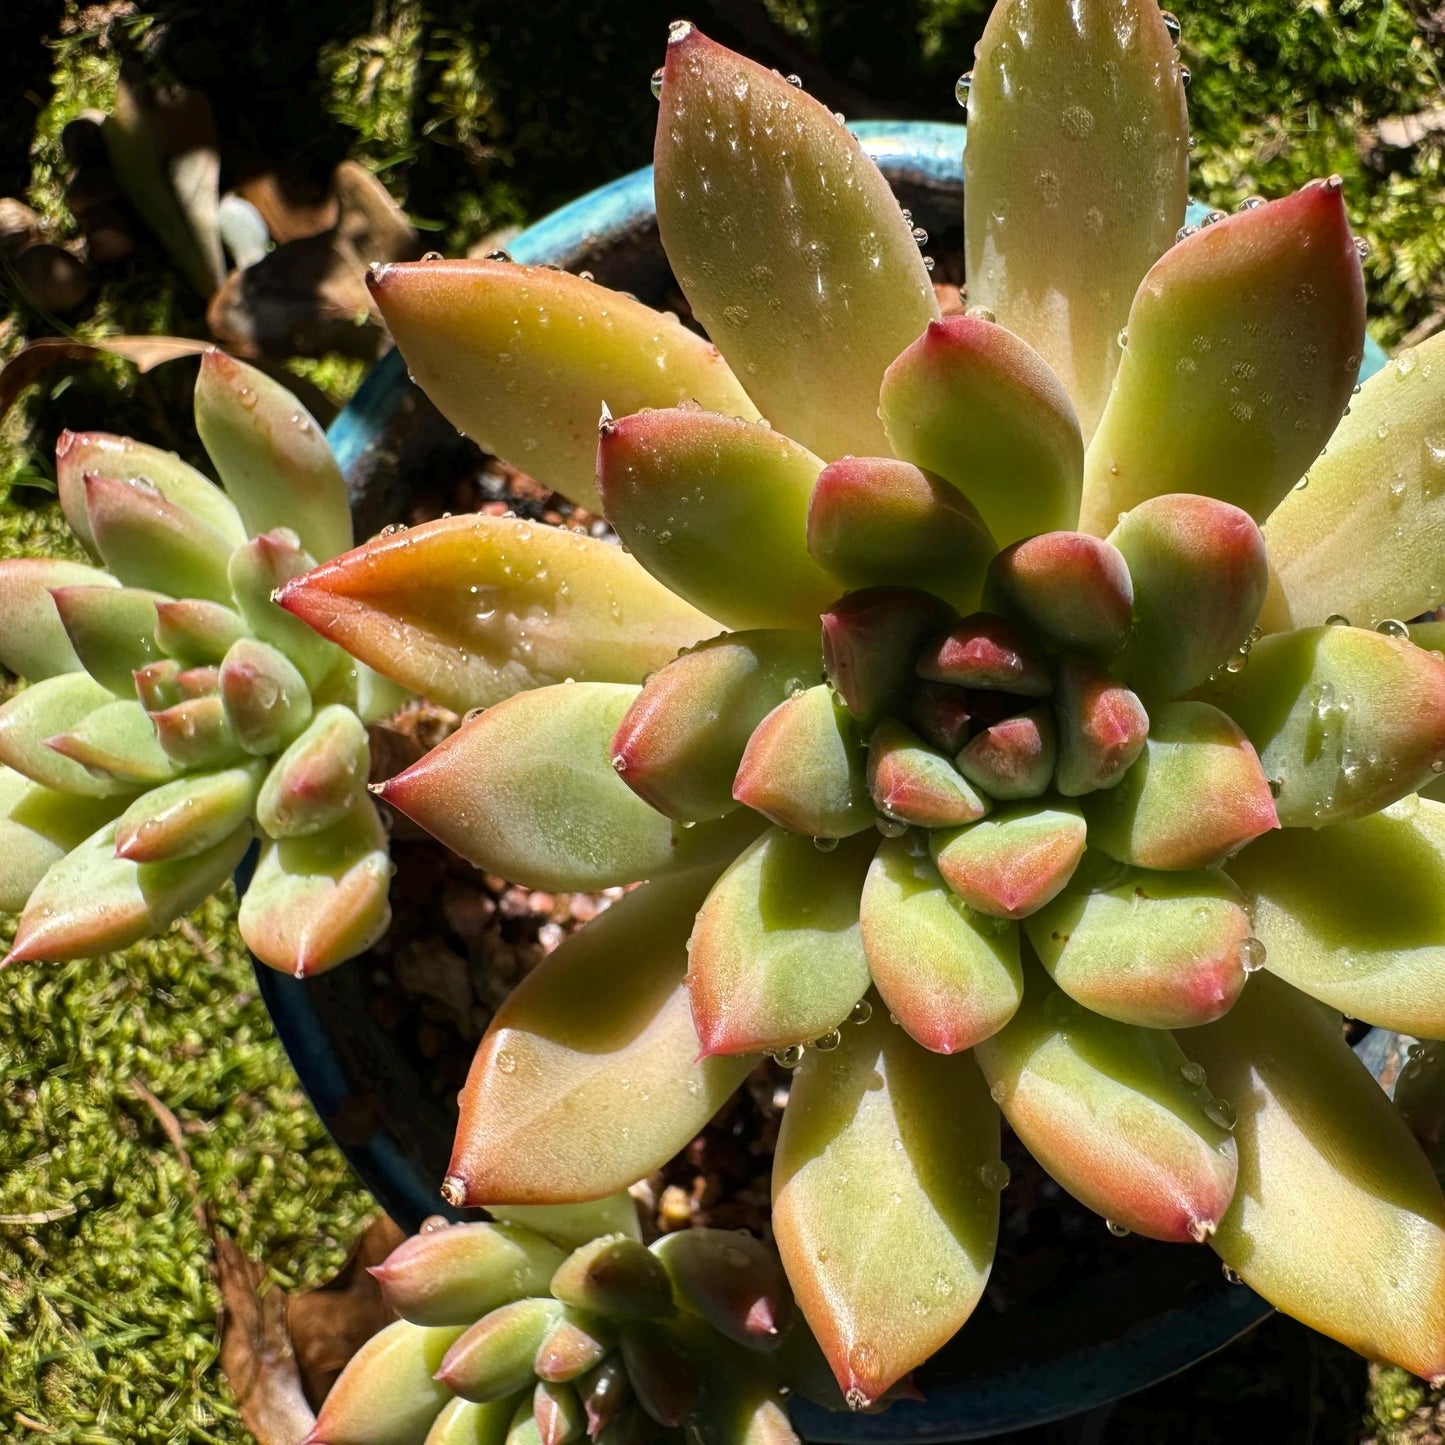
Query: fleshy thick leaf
[[386, 1395], [148, 541], [195, 733], [1364, 1259], [43, 711], [570, 1226], [1244, 346], [1200, 577], [1355, 913], [776, 956], [82, 454], [186, 817], [732, 1280], [1378, 492], [271, 455], [1013, 861], [469, 610], [116, 741], [1165, 950], [1075, 177], [1102, 729], [112, 630], [464, 1422], [523, 359], [91, 902], [950, 976], [787, 242], [716, 509], [318, 778], [614, 1275], [33, 641], [985, 651], [1345, 721], [803, 768], [980, 407], [455, 1275], [885, 1201], [1073, 588], [1014, 757], [1196, 795], [528, 790], [1109, 1110], [38, 827], [913, 783], [874, 521], [259, 571], [196, 633], [316, 901], [266, 699], [588, 1078], [681, 741]]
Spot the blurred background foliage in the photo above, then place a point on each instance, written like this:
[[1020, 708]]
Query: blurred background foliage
[[477, 115]]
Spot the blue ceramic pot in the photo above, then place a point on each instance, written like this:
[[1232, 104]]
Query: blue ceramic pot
[[1101, 1336]]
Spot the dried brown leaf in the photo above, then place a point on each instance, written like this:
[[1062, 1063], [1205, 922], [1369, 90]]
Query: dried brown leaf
[[30, 363]]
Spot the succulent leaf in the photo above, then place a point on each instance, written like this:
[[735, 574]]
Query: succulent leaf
[[803, 768], [1102, 729], [980, 407], [1196, 795], [387, 1394], [259, 571], [870, 640], [272, 456], [570, 1226], [456, 1275], [1109, 1110], [550, 1109], [157, 685], [776, 957], [148, 541], [681, 741], [1163, 950], [557, 1414], [1244, 344], [573, 1346], [493, 1359], [42, 711], [33, 640], [1073, 588], [948, 975], [1353, 913], [1075, 178], [1200, 577], [195, 733], [811, 303], [885, 1201], [116, 741], [188, 816], [874, 521], [316, 901], [112, 631], [464, 1422], [524, 359], [119, 459], [266, 699], [472, 609], [605, 1392], [732, 1280], [1365, 1262], [664, 1379], [942, 714], [1378, 492], [986, 651], [715, 508], [1346, 721], [318, 778], [38, 827], [196, 633], [912, 783], [614, 1275], [91, 902], [545, 805], [1013, 758], [1013, 861]]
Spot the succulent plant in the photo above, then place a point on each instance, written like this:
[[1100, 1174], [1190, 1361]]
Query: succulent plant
[[175, 712], [554, 1324], [1149, 803]]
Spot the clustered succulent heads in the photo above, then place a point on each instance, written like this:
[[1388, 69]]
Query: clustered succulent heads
[[175, 711], [550, 1325], [1083, 565]]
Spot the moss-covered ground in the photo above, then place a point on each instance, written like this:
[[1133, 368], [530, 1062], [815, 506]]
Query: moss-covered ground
[[479, 114]]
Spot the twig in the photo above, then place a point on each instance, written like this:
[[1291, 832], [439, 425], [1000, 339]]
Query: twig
[[40, 1216], [34, 1425], [198, 941], [171, 1128]]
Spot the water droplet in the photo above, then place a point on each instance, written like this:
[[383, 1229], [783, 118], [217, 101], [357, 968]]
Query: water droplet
[[890, 827], [1214, 218], [434, 1222], [1192, 1073], [981, 313], [1185, 76], [962, 86], [1237, 663], [1184, 233], [1119, 1231], [433, 256], [657, 83], [1250, 203], [1392, 627], [1362, 248], [1171, 24], [1303, 482], [928, 264], [1123, 337], [1276, 787], [825, 845], [1438, 766], [499, 256], [862, 1012], [1220, 1112], [828, 1042], [1252, 954], [796, 81], [790, 1057], [920, 235], [1337, 619], [995, 1174], [1230, 1276]]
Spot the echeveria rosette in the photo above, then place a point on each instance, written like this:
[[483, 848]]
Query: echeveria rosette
[[556, 1324], [1105, 796], [175, 713]]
